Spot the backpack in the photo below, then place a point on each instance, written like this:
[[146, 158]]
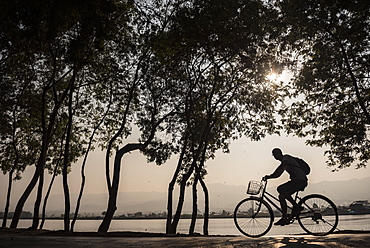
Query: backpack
[[304, 166]]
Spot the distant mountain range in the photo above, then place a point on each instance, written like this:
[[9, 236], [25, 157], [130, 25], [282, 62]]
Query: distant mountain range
[[222, 197]]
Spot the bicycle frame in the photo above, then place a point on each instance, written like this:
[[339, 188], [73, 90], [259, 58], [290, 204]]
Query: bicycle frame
[[265, 195]]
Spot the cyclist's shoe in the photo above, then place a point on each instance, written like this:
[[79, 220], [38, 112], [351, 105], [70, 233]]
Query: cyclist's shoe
[[282, 222], [296, 210]]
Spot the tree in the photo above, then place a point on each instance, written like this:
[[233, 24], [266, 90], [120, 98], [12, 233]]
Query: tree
[[95, 130], [54, 43], [331, 40], [47, 127], [221, 54], [14, 159], [142, 98], [55, 172]]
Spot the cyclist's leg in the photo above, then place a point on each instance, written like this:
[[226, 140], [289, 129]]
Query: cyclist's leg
[[283, 204], [286, 191], [295, 186], [284, 207]]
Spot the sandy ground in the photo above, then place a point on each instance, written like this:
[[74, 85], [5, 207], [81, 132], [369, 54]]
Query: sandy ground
[[113, 240]]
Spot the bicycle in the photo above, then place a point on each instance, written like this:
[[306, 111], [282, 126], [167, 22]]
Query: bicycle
[[253, 216]]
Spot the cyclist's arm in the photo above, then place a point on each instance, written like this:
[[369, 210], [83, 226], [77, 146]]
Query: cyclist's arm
[[277, 173]]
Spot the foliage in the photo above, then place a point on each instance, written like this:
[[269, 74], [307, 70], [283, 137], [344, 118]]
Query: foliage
[[331, 40], [47, 48], [220, 53]]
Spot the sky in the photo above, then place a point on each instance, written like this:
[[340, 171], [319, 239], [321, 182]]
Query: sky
[[247, 160]]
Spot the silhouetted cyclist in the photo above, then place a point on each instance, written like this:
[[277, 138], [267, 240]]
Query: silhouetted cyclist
[[298, 181]]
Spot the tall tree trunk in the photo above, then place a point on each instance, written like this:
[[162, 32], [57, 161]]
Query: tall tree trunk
[[204, 187], [36, 210], [206, 207], [170, 199], [195, 205], [6, 210], [67, 203], [67, 200], [176, 217], [180, 203], [171, 185], [112, 201]]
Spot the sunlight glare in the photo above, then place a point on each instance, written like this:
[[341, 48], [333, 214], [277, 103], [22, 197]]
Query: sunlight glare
[[272, 77]]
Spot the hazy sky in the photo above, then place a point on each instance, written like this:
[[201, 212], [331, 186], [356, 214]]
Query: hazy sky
[[247, 161]]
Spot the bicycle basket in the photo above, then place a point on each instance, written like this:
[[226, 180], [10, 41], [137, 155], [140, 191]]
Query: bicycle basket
[[254, 187]]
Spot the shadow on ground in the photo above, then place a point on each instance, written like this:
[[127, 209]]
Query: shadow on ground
[[57, 239]]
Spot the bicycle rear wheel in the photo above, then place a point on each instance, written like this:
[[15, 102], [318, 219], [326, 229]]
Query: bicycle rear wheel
[[253, 217], [319, 216]]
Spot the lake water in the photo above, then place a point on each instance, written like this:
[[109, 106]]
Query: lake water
[[222, 226]]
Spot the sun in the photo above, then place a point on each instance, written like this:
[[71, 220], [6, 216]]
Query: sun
[[272, 76]]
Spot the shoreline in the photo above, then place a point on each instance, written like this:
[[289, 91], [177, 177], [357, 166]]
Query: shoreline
[[161, 218]]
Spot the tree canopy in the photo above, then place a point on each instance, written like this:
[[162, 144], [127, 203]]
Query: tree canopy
[[331, 42]]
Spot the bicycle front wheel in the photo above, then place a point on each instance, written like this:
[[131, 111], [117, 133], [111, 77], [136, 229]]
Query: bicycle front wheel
[[253, 217], [319, 216]]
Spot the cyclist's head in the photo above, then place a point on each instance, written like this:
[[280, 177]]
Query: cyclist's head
[[277, 153]]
